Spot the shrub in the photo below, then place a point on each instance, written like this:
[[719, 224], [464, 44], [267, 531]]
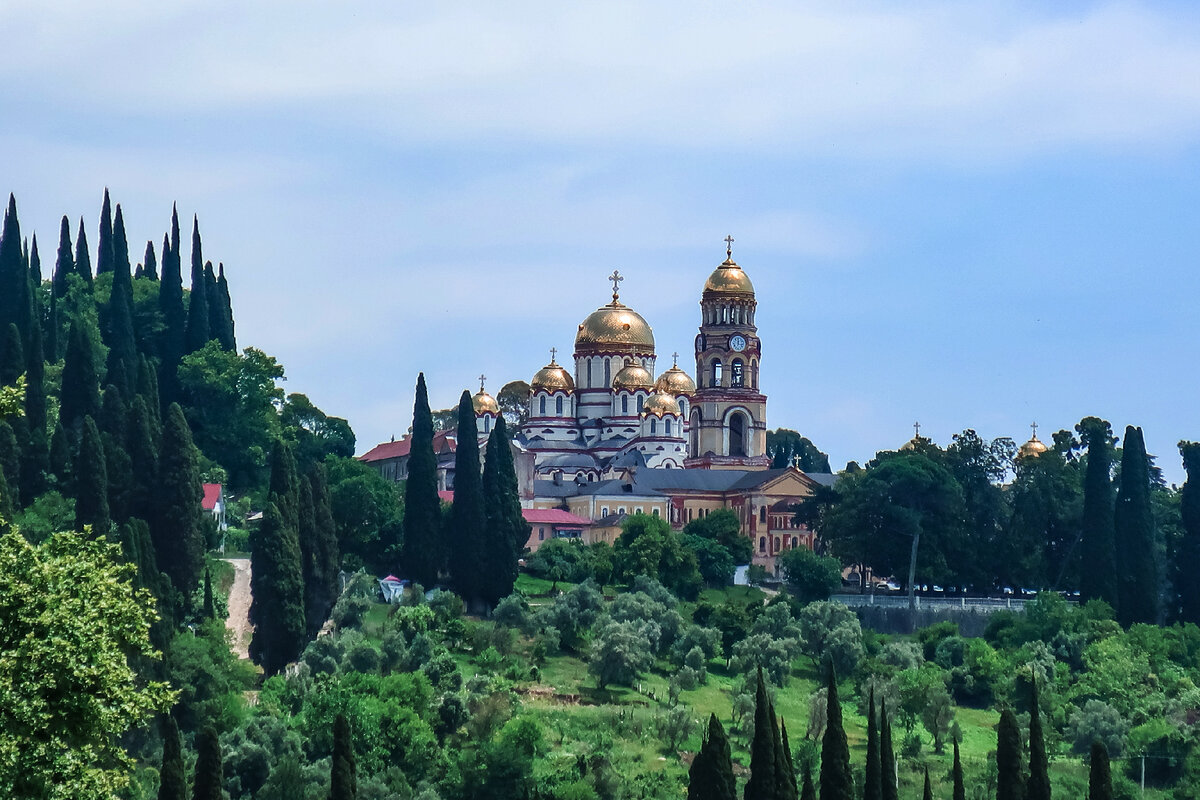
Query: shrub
[[1097, 720], [809, 576]]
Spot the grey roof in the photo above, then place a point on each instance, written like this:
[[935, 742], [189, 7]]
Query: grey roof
[[823, 478], [617, 487], [568, 460], [611, 519], [552, 489]]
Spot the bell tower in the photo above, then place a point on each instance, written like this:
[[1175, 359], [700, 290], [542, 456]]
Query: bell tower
[[729, 413]]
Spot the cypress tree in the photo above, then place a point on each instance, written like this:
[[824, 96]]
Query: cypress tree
[[113, 424], [143, 457], [1188, 549], [468, 519], [80, 394], [35, 466], [91, 484], [424, 553], [960, 788], [711, 774], [507, 531], [213, 300], [64, 263], [8, 503], [60, 456], [1098, 570], [782, 784], [836, 780], [83, 258], [318, 549], [174, 317], [809, 792], [13, 274], [104, 245], [873, 780], [210, 608], [1100, 773], [149, 262], [147, 389], [1038, 787], [764, 779], [887, 755], [277, 589], [172, 781], [343, 779], [928, 793], [35, 356], [197, 333], [207, 784], [1009, 779], [178, 539], [10, 459], [121, 340], [120, 243], [284, 485], [12, 356], [306, 534], [1136, 545], [788, 788], [228, 335]]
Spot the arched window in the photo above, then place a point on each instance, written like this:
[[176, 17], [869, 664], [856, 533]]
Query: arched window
[[653, 426], [591, 371], [762, 514], [754, 375], [624, 404], [683, 407], [542, 407], [487, 424], [640, 402], [607, 372], [737, 373], [667, 425], [558, 406], [695, 445], [737, 435], [762, 544], [716, 372]]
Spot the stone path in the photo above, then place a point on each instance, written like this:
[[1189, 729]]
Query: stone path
[[239, 607]]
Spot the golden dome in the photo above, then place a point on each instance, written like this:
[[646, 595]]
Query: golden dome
[[1034, 447], [675, 381], [661, 404], [729, 278], [615, 327], [484, 403], [913, 443], [553, 378], [633, 376]]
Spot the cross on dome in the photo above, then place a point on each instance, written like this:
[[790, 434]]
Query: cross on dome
[[729, 246], [616, 279], [482, 378], [1034, 426], [553, 353], [674, 359]]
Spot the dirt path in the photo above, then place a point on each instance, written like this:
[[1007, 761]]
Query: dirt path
[[239, 607]]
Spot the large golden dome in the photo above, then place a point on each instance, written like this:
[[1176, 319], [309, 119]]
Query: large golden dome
[[1034, 447], [484, 403], [553, 378], [675, 381], [661, 404], [615, 327], [729, 278], [633, 376]]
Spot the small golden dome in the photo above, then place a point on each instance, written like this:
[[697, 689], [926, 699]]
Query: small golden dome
[[484, 403], [729, 278], [675, 381], [913, 443], [633, 376], [661, 404], [1034, 447], [553, 378], [615, 327]]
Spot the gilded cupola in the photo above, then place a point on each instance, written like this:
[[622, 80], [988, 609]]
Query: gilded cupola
[[632, 377], [615, 327], [552, 378]]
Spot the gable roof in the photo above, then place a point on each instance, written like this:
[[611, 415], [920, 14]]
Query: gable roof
[[553, 516], [443, 442], [212, 493]]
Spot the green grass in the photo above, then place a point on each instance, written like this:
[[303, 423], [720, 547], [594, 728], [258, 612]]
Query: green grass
[[222, 576]]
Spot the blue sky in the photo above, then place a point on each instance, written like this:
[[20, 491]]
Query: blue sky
[[975, 215]]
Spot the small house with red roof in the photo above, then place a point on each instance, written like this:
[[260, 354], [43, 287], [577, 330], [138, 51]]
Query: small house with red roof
[[214, 503], [553, 523]]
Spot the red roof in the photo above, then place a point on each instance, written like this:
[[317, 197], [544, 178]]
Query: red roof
[[553, 516], [212, 493], [443, 442], [446, 496]]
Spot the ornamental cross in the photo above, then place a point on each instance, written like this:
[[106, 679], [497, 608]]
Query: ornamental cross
[[482, 378], [729, 246], [553, 353], [917, 430], [675, 359], [1034, 426], [616, 279]]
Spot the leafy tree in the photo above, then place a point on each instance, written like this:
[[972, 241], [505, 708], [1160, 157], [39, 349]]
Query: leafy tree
[[836, 780], [1098, 570], [830, 633], [367, 513], [507, 530], [1042, 530], [1187, 552], [712, 559], [1010, 783], [64, 710], [810, 577], [724, 528], [91, 484], [277, 586], [312, 433], [172, 781], [1099, 774], [210, 677], [343, 780], [764, 779], [197, 333], [622, 651], [513, 399], [784, 445], [424, 551], [178, 540], [873, 779], [647, 546], [1137, 549], [711, 774]]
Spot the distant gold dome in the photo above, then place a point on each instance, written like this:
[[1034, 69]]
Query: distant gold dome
[[615, 327], [1034, 447], [676, 382], [484, 403], [729, 278], [912, 443], [661, 404], [553, 378], [633, 376]]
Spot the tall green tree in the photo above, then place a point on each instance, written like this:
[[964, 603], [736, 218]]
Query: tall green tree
[[507, 530], [284, 484], [114, 425], [175, 527], [80, 392], [10, 460], [873, 779], [1010, 781], [1100, 773], [1187, 551], [83, 257], [143, 457], [197, 334], [960, 788], [711, 774], [120, 243], [809, 791], [60, 456], [104, 242], [1098, 566], [172, 779], [12, 355], [468, 515], [836, 781], [121, 338], [1134, 534], [787, 789], [277, 589], [424, 553], [64, 263], [927, 794], [14, 281], [764, 778], [174, 316], [227, 334], [318, 548], [91, 482], [149, 263], [1038, 787], [887, 754], [343, 778], [207, 783]]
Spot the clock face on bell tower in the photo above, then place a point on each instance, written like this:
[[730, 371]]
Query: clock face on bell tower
[[728, 421]]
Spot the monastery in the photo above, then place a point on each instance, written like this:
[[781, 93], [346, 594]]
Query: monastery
[[603, 438]]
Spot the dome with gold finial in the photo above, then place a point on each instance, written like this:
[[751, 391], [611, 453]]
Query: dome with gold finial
[[917, 441], [661, 404], [729, 278], [553, 378], [676, 382], [1034, 447], [482, 402], [615, 326], [632, 377]]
